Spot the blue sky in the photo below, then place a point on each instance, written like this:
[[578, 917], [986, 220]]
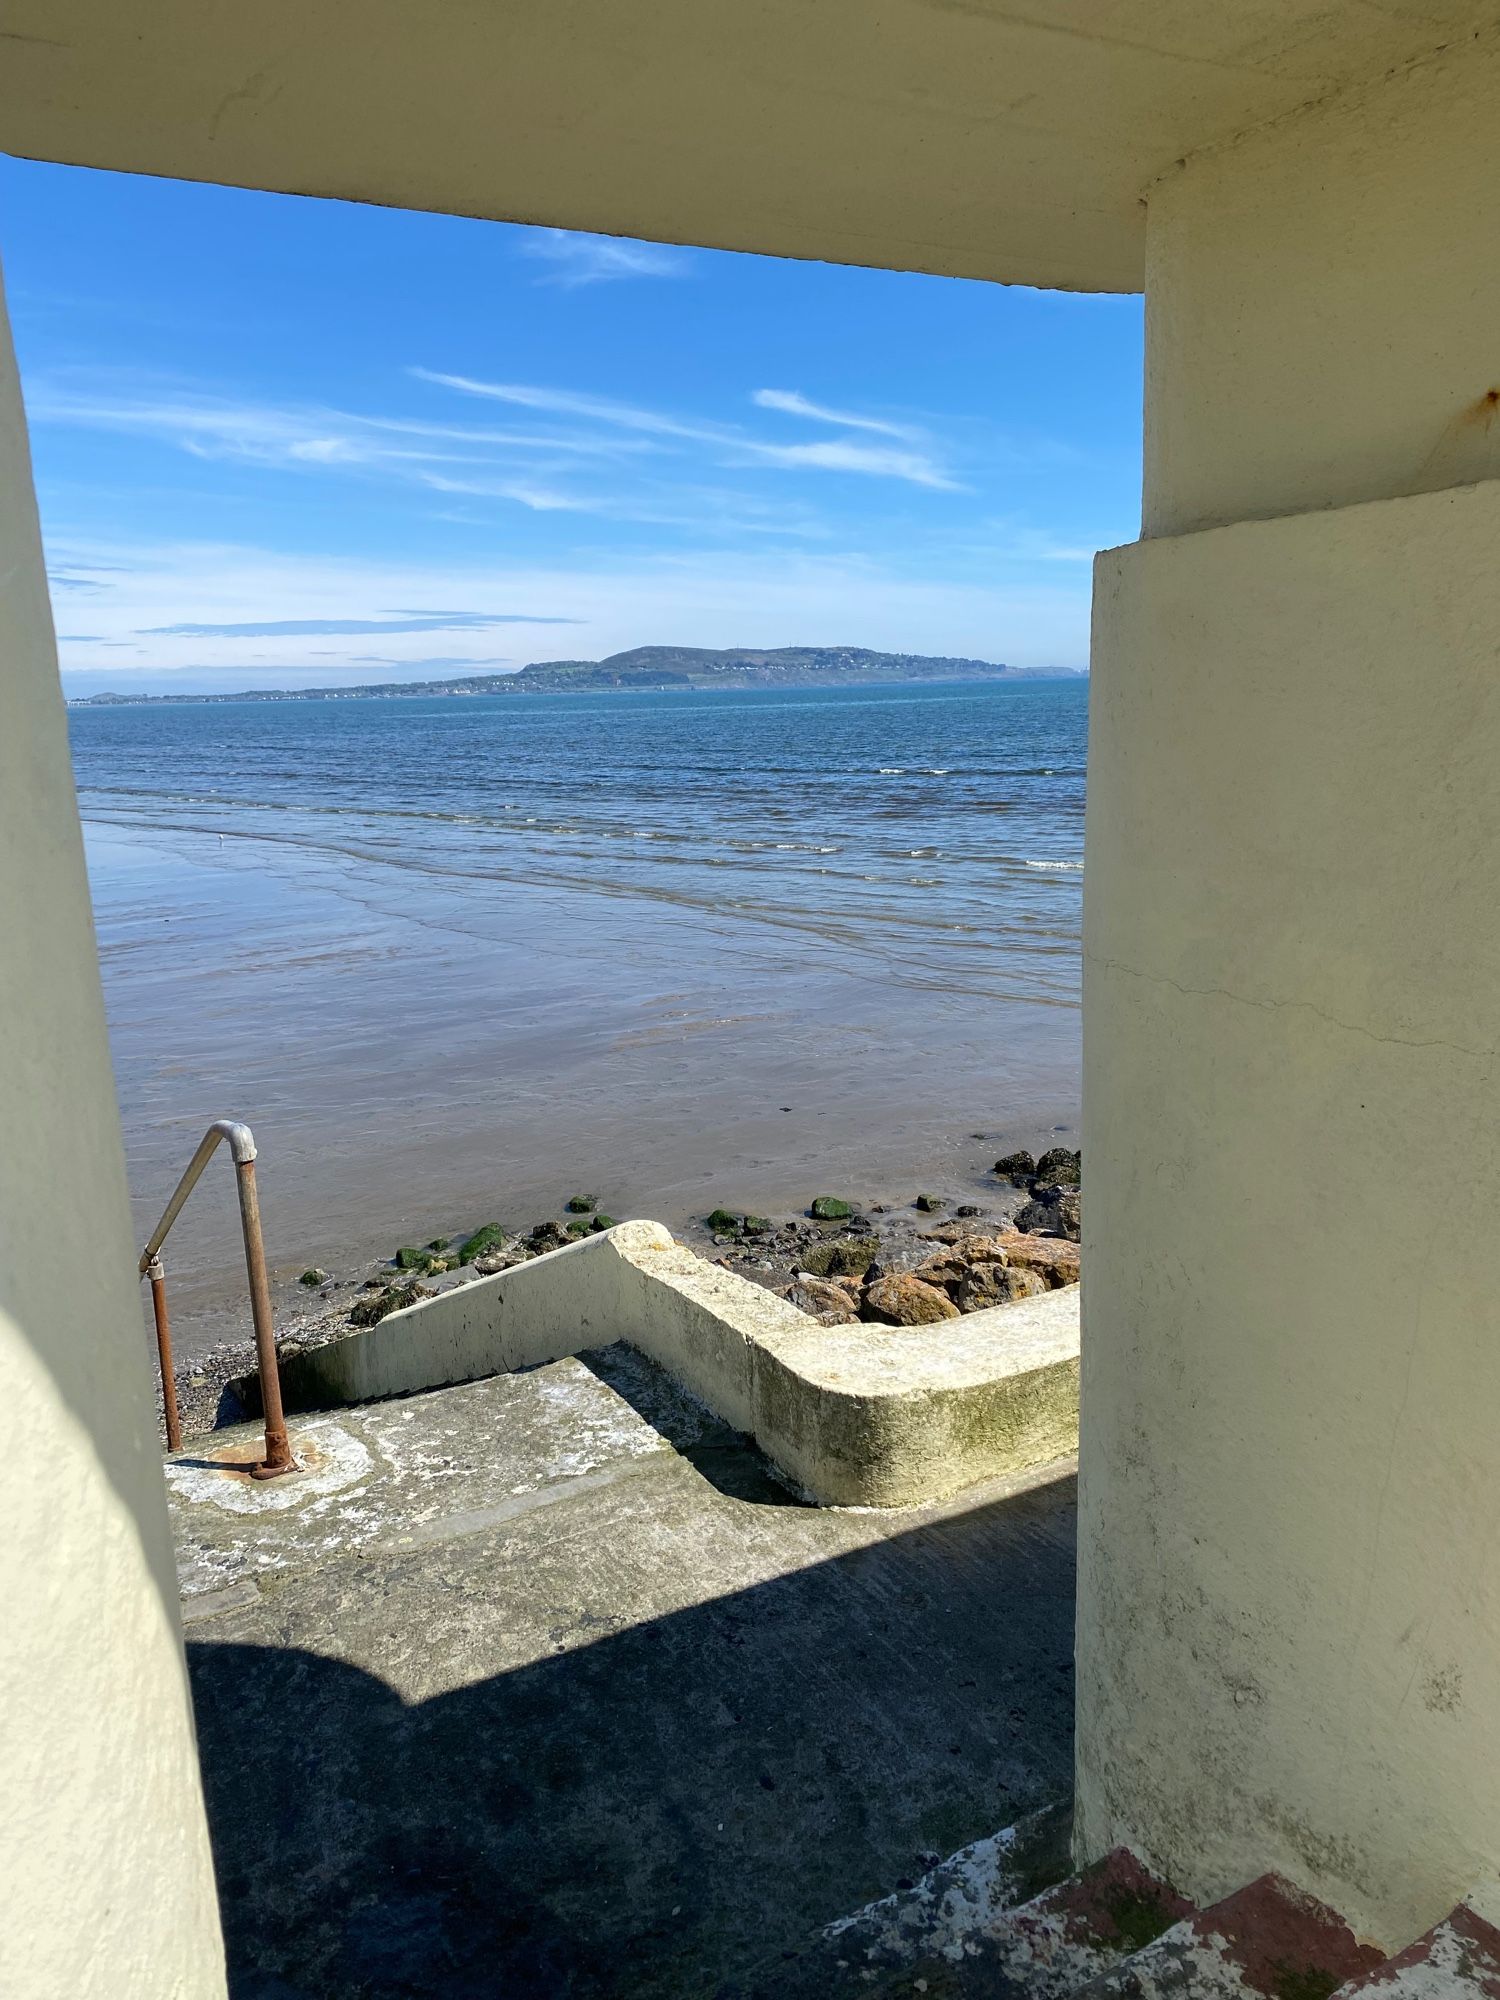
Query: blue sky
[[282, 442]]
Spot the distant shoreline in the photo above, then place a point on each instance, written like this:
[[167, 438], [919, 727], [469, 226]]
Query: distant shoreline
[[645, 670]]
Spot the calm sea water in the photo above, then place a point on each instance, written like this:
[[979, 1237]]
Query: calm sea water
[[936, 830], [456, 954]]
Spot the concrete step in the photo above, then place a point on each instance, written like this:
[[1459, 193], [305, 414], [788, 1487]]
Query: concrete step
[[1268, 1941], [1458, 1959]]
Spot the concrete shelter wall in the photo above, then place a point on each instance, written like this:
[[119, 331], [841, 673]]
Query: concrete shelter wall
[[1289, 1637], [108, 1882], [1323, 303], [967, 137]]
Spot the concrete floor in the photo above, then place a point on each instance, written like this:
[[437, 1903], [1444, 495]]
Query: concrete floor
[[543, 1687]]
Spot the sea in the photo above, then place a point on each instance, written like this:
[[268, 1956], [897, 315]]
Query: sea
[[455, 959]]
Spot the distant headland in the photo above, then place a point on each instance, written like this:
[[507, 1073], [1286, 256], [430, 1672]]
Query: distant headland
[[647, 669]]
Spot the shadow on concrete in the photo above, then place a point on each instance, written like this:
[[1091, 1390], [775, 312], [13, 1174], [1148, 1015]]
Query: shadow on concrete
[[728, 1459], [671, 1810]]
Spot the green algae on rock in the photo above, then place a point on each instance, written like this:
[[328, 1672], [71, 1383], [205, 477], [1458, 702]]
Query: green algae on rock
[[490, 1236]]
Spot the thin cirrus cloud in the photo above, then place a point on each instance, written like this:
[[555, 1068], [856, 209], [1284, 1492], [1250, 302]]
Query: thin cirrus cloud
[[595, 260], [329, 628], [792, 403], [258, 433], [732, 444], [704, 511], [569, 452]]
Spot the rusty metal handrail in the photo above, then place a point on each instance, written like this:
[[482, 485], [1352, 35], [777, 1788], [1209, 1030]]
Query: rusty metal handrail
[[278, 1458]]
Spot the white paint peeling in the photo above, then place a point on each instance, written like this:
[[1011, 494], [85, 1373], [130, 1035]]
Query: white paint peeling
[[340, 1461]]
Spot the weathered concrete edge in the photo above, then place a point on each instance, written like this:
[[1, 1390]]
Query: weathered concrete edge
[[853, 1416]]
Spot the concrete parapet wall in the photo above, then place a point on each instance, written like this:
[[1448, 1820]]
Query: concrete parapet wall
[[853, 1415]]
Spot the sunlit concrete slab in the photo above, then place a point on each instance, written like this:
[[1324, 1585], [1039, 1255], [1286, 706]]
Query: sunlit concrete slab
[[563, 1693]]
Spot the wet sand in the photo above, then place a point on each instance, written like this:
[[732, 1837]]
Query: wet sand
[[419, 1055]]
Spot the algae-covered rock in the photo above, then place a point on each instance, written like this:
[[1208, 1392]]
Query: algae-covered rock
[[369, 1311], [1017, 1167], [599, 1223], [757, 1225], [409, 1258], [581, 1204], [439, 1243], [547, 1236], [489, 1236], [313, 1276], [720, 1221], [929, 1203], [851, 1254], [1059, 1168], [904, 1300], [830, 1208], [580, 1225]]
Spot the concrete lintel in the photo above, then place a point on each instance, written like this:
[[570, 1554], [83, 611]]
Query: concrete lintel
[[852, 1415]]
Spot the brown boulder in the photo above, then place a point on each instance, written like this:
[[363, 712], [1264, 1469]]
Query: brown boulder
[[829, 1303], [998, 1285], [905, 1300], [946, 1272], [1054, 1257], [986, 1250]]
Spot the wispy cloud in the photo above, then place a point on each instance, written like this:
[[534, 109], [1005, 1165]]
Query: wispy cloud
[[328, 628], [732, 443], [261, 433], [571, 403], [594, 260], [705, 511], [871, 460], [791, 403]]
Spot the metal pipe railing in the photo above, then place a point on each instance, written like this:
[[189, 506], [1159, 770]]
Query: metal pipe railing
[[278, 1458]]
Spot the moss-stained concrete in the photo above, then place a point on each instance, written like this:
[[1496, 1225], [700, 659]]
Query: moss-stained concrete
[[854, 1415]]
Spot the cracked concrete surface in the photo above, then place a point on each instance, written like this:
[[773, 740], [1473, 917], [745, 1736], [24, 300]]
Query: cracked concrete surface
[[567, 1695]]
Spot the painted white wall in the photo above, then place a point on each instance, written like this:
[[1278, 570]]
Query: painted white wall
[[1289, 1640], [108, 1882], [1323, 303], [1289, 1610]]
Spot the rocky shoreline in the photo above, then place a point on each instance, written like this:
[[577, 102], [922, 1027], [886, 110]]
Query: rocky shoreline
[[840, 1261]]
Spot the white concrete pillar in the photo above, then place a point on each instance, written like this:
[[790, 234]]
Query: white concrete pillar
[[1289, 1644], [108, 1884]]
